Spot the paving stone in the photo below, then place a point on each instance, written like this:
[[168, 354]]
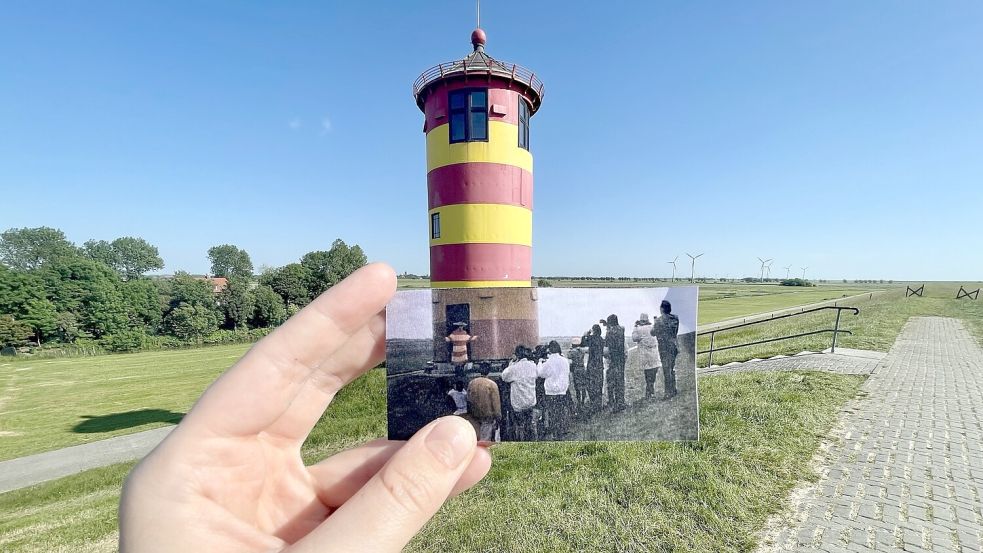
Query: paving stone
[[906, 467]]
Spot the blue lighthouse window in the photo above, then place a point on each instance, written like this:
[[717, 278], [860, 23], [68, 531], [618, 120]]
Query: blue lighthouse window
[[468, 115], [523, 124]]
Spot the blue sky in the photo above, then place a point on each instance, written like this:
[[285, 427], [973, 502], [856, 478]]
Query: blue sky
[[842, 136]]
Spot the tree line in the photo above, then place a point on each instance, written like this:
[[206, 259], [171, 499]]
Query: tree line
[[56, 294]]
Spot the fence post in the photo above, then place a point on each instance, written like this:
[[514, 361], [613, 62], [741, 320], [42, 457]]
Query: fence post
[[836, 331], [710, 356]]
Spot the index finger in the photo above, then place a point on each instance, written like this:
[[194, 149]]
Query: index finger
[[261, 386]]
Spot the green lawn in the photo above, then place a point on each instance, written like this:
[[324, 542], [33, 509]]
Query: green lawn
[[875, 328], [758, 433], [53, 403], [48, 404], [723, 304]]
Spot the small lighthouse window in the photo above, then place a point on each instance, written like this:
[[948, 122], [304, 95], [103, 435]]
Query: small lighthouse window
[[435, 226], [468, 115], [523, 124]]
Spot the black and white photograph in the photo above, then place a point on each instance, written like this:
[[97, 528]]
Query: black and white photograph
[[545, 364]]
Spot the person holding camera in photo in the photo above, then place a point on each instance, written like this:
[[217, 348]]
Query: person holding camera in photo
[[665, 330], [614, 340], [648, 352]]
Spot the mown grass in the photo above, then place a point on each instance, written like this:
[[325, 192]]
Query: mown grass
[[78, 513], [759, 431], [48, 404], [875, 328]]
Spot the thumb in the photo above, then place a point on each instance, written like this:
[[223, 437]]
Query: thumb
[[395, 503]]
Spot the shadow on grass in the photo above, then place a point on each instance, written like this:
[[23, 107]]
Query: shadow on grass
[[118, 421]]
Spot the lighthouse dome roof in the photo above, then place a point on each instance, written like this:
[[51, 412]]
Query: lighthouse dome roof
[[479, 63]]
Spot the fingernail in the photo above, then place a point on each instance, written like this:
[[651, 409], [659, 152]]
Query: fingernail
[[449, 442]]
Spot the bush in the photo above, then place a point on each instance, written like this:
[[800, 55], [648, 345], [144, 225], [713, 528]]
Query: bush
[[235, 336], [543, 283], [125, 342], [796, 282]]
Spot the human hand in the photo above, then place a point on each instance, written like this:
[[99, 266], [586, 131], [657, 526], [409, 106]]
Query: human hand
[[230, 477]]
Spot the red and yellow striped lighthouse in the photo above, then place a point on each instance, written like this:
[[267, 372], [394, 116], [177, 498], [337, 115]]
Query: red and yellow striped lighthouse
[[479, 181], [479, 169]]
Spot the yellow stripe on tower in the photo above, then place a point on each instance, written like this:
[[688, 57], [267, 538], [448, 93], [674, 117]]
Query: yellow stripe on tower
[[481, 284], [502, 147], [483, 224]]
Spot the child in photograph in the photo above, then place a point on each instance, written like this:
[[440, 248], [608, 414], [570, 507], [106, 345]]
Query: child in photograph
[[459, 340], [460, 397]]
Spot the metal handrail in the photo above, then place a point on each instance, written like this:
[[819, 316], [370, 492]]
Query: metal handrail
[[494, 67], [835, 331]]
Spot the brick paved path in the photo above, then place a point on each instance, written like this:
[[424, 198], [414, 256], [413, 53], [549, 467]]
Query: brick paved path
[[907, 470]]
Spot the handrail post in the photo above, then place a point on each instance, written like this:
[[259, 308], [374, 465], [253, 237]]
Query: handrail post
[[836, 331], [710, 356]]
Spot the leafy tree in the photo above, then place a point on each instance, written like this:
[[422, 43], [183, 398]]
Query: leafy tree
[[101, 251], [13, 332], [327, 268], [291, 282], [238, 302], [185, 288], [22, 296], [88, 289], [191, 322], [269, 309], [29, 248], [229, 261], [130, 257], [144, 307], [68, 329]]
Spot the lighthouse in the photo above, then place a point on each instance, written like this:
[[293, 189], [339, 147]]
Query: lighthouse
[[477, 113]]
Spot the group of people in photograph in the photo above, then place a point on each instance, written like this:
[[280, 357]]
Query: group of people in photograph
[[545, 389]]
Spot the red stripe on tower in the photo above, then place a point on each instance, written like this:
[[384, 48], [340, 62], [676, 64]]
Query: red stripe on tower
[[503, 262], [481, 183]]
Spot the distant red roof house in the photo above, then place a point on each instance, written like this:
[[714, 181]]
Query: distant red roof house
[[217, 283]]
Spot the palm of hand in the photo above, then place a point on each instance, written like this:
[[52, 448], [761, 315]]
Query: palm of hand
[[230, 477]]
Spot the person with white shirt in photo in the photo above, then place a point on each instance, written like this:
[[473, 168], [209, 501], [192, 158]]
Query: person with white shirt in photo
[[555, 370], [460, 397], [521, 374]]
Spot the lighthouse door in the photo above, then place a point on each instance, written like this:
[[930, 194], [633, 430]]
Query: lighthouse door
[[458, 313]]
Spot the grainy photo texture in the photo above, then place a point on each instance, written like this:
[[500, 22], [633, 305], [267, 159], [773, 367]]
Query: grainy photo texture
[[540, 364]]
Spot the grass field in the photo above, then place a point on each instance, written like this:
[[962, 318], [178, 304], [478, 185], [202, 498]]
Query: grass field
[[875, 328], [759, 431], [52, 403], [48, 404]]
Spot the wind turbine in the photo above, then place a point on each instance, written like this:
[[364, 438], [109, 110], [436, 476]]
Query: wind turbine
[[768, 270], [673, 262], [763, 263], [786, 271], [692, 266], [804, 272]]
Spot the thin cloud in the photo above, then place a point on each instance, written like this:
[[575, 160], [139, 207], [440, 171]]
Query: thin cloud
[[325, 125], [295, 123]]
